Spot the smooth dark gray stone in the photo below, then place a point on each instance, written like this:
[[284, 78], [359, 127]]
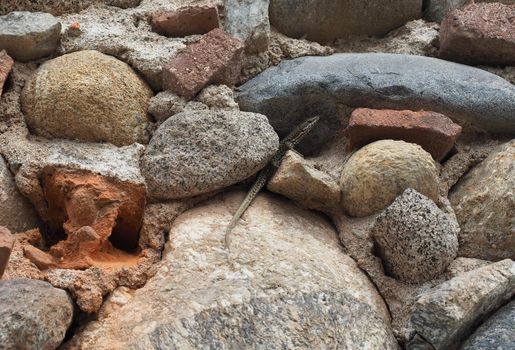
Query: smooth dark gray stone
[[497, 333], [303, 87]]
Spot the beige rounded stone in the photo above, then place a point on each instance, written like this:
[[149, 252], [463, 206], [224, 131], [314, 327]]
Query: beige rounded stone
[[87, 96], [379, 172]]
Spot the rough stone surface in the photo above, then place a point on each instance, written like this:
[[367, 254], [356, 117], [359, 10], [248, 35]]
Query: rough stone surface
[[303, 87], [434, 132], [484, 202], [186, 21], [34, 314], [201, 297], [448, 313], [437, 9], [87, 96], [297, 179], [6, 64], [61, 6], [16, 212], [248, 21], [379, 172], [198, 152], [416, 240], [6, 247], [215, 59], [498, 332], [29, 35], [218, 97], [327, 20], [479, 34], [165, 104]]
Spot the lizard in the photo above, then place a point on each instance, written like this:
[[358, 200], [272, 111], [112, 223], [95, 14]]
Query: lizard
[[286, 144]]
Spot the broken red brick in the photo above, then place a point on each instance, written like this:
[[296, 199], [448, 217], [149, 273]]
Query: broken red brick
[[215, 59], [101, 218], [482, 33], [6, 64], [434, 132], [185, 21], [6, 246]]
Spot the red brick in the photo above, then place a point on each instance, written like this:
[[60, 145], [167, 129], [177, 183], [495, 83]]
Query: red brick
[[6, 64], [481, 33], [185, 21], [432, 131], [6, 246], [215, 59]]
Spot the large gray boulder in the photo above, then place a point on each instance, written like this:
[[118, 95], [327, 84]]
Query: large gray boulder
[[497, 333], [326, 20], [296, 89], [34, 314], [447, 313], [484, 203], [286, 283], [198, 152], [29, 35]]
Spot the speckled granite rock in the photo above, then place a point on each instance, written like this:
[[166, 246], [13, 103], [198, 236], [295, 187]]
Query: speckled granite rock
[[379, 172], [248, 21], [416, 240], [29, 35], [262, 294], [34, 314], [484, 202], [87, 96], [197, 152]]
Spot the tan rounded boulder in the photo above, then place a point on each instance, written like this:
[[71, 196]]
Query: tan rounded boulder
[[87, 96], [379, 172]]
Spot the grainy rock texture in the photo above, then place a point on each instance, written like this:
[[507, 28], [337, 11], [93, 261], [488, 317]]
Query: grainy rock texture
[[297, 179], [301, 88], [444, 316], [434, 132], [6, 247], [16, 212], [416, 240], [498, 332], [437, 9], [484, 202], [29, 35], [164, 105], [6, 64], [186, 21], [247, 20], [218, 97], [61, 6], [327, 20], [479, 34], [198, 152], [34, 314], [214, 59], [201, 297], [87, 96], [379, 172]]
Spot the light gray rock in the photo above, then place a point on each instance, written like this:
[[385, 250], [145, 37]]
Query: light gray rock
[[497, 333], [29, 35], [247, 20], [16, 212], [416, 240], [197, 152], [285, 284], [326, 20], [303, 87], [34, 314], [298, 180], [164, 105], [61, 6], [449, 312], [218, 97], [484, 202], [437, 9]]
